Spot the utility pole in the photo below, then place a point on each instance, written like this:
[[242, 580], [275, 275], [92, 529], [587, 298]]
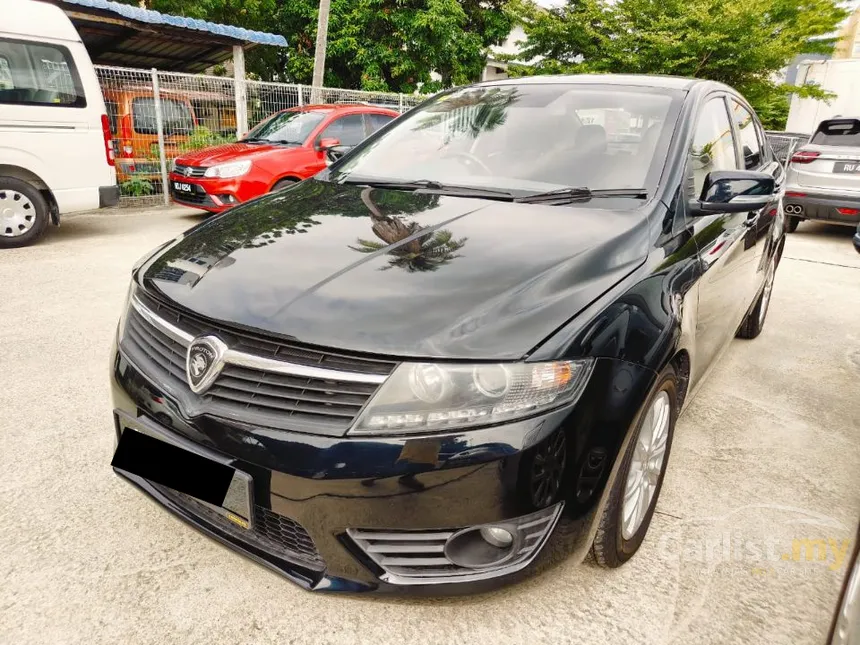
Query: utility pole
[[319, 54]]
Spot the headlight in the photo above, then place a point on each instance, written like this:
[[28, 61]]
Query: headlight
[[225, 170], [120, 330], [432, 397]]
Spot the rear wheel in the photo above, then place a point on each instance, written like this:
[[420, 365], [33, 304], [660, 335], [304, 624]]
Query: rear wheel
[[23, 213], [791, 223], [754, 322], [634, 494]]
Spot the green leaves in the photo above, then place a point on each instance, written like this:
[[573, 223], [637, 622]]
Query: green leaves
[[743, 43]]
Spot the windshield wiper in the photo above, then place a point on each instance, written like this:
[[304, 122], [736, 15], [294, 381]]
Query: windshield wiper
[[565, 195], [434, 187]]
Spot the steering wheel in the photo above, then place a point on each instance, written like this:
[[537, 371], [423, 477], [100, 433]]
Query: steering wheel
[[471, 159]]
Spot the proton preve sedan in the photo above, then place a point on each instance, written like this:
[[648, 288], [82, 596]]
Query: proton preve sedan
[[458, 353]]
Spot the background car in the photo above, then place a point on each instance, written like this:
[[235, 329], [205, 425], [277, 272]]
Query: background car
[[857, 239], [135, 130], [56, 155], [285, 148], [823, 178]]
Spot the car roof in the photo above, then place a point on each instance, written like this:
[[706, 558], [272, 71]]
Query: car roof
[[341, 108], [634, 80]]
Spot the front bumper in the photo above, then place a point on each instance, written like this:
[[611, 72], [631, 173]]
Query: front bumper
[[213, 195], [330, 487], [821, 207]]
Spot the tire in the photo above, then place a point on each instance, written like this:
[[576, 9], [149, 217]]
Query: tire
[[611, 547], [791, 223], [23, 213], [754, 322], [283, 184]]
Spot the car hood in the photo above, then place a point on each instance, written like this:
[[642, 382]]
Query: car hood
[[400, 273], [228, 152]]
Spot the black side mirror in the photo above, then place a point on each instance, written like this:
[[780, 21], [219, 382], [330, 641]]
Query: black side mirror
[[334, 153], [733, 191]]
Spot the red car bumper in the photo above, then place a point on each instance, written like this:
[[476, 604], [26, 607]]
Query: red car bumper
[[214, 195]]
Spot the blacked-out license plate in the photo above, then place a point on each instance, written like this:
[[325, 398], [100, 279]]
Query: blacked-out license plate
[[223, 488], [846, 166]]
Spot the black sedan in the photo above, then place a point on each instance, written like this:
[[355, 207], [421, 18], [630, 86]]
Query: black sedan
[[459, 352]]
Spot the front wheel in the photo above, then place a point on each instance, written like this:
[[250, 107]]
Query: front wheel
[[754, 322], [283, 184], [634, 493], [23, 213]]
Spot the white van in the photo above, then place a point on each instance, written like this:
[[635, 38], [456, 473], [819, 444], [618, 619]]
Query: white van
[[56, 154]]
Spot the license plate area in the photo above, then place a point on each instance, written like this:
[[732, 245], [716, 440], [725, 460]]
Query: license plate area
[[147, 451], [847, 167], [182, 187]]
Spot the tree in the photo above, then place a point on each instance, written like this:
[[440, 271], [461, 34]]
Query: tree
[[743, 43], [380, 45]]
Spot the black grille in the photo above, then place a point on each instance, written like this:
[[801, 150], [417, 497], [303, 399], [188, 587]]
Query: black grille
[[274, 533], [288, 534], [249, 395], [196, 171]]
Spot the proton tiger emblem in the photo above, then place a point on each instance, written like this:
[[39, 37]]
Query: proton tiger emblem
[[188, 171], [203, 362]]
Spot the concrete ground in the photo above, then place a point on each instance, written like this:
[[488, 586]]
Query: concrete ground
[[766, 455]]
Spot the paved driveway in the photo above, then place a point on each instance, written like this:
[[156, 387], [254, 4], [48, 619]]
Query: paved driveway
[[766, 457]]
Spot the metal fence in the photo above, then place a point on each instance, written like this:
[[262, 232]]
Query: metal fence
[[158, 116], [785, 143]]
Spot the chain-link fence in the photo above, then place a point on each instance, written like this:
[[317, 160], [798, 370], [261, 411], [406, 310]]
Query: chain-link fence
[[785, 143], [158, 116]]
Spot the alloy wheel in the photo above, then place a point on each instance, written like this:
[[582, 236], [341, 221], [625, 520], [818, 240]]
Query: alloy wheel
[[17, 213], [646, 465], [765, 295]]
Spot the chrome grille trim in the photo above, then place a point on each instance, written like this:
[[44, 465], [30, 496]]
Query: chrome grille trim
[[418, 557], [252, 361], [253, 390]]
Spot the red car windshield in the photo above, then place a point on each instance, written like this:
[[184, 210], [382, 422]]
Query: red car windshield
[[287, 127]]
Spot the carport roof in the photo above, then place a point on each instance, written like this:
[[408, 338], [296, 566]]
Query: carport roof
[[129, 36]]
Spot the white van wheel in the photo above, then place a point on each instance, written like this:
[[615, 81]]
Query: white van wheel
[[23, 213]]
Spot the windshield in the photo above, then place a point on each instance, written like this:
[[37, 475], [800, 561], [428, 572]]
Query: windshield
[[527, 138], [175, 115], [293, 127]]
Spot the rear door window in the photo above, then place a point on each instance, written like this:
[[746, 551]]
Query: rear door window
[[176, 116], [837, 132], [39, 74]]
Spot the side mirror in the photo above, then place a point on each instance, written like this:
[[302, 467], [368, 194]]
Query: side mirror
[[733, 191], [324, 144], [334, 153]]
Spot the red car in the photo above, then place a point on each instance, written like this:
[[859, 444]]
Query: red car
[[285, 148]]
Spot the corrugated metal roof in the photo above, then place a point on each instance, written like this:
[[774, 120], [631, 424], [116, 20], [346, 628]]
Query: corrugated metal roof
[[130, 12]]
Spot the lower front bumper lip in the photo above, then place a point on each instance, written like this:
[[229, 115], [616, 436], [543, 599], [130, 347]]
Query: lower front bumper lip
[[296, 572]]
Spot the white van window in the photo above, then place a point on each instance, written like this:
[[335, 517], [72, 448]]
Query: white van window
[[38, 74]]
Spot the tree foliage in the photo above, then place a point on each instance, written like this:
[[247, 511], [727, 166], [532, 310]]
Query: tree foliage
[[743, 43], [384, 45]]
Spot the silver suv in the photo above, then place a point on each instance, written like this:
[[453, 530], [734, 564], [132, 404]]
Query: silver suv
[[823, 179]]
